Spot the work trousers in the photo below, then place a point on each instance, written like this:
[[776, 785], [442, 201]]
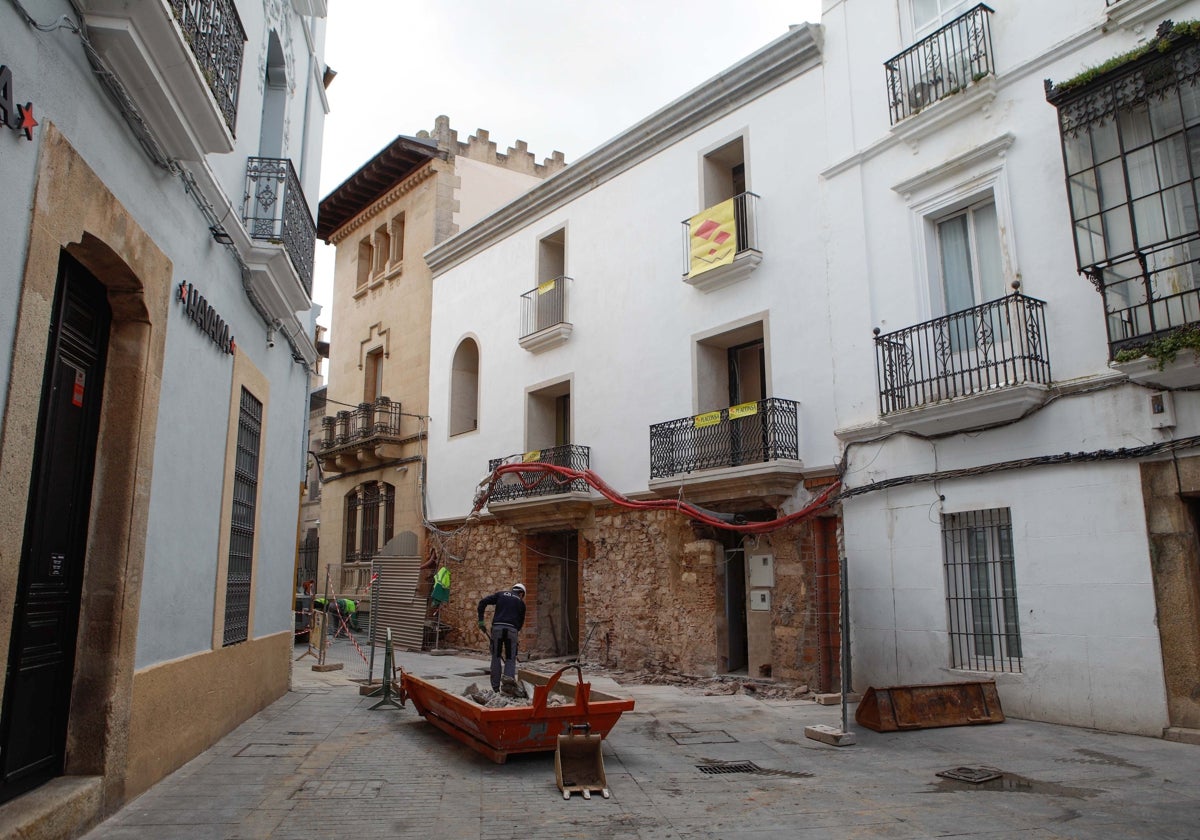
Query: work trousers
[[504, 646]]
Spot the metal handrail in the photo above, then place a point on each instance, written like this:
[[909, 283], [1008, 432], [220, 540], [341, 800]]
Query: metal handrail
[[274, 209], [523, 485], [745, 221], [753, 432], [544, 306], [998, 344], [940, 64], [380, 419], [214, 32]]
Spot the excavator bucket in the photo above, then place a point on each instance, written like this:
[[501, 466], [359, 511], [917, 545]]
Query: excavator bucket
[[929, 706], [579, 763]]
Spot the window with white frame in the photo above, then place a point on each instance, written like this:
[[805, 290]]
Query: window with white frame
[[981, 590], [970, 265], [929, 15]]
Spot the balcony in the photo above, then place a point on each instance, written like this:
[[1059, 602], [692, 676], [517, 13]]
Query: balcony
[[720, 245], [180, 61], [982, 365], [364, 437], [275, 211], [538, 500], [544, 321], [747, 451], [940, 65]]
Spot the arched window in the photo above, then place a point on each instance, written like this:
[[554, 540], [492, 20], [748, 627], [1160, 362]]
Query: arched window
[[464, 388], [370, 519]]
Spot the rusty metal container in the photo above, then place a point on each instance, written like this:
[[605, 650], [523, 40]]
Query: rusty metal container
[[498, 733], [928, 706]]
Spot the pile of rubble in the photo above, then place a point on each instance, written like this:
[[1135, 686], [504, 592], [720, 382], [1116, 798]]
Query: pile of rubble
[[764, 689], [516, 696]]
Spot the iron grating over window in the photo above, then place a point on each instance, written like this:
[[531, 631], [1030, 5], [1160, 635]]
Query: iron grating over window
[[981, 590], [241, 529]]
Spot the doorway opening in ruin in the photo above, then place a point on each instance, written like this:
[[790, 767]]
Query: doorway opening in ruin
[[731, 615], [556, 602]]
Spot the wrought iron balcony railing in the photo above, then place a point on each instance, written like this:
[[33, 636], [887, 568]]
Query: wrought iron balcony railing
[[274, 209], [750, 433], [999, 344], [745, 229], [524, 485], [367, 423], [544, 307], [217, 39], [941, 64]]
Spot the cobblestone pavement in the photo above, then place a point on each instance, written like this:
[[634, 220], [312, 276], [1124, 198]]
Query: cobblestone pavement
[[318, 763]]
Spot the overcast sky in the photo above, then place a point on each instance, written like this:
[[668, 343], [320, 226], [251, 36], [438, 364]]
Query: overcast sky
[[565, 75]]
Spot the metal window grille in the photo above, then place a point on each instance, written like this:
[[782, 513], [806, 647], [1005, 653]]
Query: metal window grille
[[369, 506], [241, 529], [981, 590]]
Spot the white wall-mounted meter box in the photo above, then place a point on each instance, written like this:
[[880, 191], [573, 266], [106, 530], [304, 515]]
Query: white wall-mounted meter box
[[762, 569], [760, 599]]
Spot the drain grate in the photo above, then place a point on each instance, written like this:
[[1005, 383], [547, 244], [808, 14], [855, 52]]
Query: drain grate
[[728, 767], [974, 775], [722, 768]]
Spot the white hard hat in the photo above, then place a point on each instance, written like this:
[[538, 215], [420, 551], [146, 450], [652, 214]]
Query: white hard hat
[[519, 587]]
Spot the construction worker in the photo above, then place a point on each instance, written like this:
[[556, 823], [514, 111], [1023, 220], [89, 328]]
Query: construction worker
[[507, 619]]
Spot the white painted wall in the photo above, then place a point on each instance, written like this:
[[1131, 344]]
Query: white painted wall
[[630, 354], [1086, 602], [49, 69]]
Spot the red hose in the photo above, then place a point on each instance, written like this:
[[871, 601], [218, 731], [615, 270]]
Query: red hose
[[565, 475]]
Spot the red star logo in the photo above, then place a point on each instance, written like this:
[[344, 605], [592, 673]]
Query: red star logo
[[25, 120]]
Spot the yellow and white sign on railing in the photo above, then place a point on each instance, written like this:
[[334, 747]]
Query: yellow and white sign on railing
[[743, 410], [712, 238]]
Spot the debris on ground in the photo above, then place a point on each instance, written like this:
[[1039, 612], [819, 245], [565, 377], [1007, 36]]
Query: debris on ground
[[723, 684], [498, 699]]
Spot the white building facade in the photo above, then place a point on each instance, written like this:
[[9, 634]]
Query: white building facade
[[1024, 512], [162, 166], [1017, 495]]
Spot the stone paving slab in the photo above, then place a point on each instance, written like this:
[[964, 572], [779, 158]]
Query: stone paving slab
[[319, 763]]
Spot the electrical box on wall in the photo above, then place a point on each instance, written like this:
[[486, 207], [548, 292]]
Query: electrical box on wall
[[762, 569], [760, 599], [1162, 410]]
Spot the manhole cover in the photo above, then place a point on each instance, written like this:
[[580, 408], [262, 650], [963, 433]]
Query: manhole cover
[[974, 775], [718, 736], [728, 767]]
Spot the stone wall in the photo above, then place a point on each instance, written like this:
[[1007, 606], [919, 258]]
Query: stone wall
[[650, 592]]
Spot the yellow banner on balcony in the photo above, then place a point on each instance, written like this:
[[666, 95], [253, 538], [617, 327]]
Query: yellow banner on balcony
[[712, 238], [711, 418], [532, 456], [743, 410], [548, 286]]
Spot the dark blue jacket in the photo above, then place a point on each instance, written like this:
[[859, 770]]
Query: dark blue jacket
[[510, 608]]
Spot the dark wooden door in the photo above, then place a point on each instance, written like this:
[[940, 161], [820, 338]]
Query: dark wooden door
[[41, 658]]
